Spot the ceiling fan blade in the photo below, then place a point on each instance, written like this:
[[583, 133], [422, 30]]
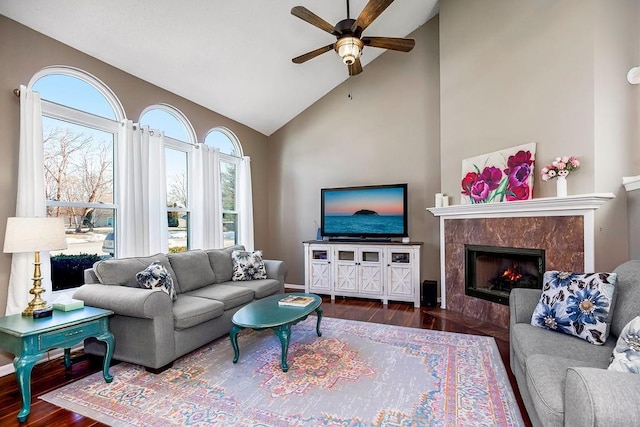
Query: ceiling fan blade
[[391, 43], [313, 19], [355, 68], [371, 11], [310, 55]]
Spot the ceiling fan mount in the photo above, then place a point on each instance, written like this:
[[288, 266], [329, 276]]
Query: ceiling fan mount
[[348, 32]]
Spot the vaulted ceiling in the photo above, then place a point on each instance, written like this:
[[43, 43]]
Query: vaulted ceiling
[[230, 56]]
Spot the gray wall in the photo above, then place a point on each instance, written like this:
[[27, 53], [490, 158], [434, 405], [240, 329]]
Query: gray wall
[[550, 72], [388, 132]]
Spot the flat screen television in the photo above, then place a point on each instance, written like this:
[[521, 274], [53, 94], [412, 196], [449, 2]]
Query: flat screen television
[[377, 211]]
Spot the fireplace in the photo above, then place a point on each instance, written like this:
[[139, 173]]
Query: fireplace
[[491, 271]]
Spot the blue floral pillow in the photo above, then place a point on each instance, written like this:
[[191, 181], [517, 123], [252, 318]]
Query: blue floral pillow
[[156, 276], [576, 304], [248, 266], [626, 355]]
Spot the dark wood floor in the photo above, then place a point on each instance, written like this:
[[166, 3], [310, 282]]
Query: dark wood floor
[[51, 375]]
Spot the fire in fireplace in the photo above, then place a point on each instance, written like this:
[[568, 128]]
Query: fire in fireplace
[[491, 271]]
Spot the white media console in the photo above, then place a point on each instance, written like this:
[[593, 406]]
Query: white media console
[[380, 270]]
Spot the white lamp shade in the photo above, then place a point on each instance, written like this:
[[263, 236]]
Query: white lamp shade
[[34, 235]]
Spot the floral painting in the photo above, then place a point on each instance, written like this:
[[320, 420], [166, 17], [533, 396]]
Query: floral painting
[[501, 176]]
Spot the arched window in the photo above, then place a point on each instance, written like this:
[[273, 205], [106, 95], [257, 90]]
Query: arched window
[[80, 118], [225, 141], [179, 136], [230, 155]]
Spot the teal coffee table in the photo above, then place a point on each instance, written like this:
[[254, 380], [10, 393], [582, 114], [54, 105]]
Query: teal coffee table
[[265, 313], [28, 339]]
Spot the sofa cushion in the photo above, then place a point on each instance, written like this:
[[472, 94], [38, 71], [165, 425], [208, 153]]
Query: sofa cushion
[[221, 263], [626, 354], [122, 271], [527, 340], [230, 296], [192, 269], [262, 288], [579, 304], [248, 266], [628, 295], [545, 381], [157, 277], [189, 311]]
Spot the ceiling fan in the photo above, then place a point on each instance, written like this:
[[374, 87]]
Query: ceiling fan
[[349, 43]]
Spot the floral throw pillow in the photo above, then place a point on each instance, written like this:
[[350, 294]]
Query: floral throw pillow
[[626, 355], [157, 276], [576, 304], [248, 266]]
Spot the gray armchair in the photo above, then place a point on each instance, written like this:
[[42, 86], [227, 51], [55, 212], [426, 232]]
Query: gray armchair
[[563, 380]]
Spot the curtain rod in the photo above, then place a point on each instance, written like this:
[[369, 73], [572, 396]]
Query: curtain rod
[[16, 92]]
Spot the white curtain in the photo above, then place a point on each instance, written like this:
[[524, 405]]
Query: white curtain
[[205, 198], [142, 216], [30, 202], [245, 204]]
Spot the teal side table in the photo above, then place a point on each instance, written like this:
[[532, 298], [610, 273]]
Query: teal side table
[[28, 339]]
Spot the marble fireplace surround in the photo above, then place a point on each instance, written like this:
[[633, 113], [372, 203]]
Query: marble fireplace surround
[[563, 227]]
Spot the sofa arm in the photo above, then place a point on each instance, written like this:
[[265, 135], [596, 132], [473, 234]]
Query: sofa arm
[[522, 303], [599, 397], [133, 302], [276, 269]]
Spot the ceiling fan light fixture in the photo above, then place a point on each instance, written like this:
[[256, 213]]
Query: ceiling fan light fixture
[[349, 49]]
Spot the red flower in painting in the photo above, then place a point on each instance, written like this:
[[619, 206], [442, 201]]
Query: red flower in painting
[[478, 186], [492, 176], [519, 158], [467, 183], [519, 168], [519, 174], [518, 193]]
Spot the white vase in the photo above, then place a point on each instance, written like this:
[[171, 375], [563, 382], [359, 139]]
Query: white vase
[[561, 186]]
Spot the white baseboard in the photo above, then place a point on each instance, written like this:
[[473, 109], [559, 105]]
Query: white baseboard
[[8, 369], [292, 286]]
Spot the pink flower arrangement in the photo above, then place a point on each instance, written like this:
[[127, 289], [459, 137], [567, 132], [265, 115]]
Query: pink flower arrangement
[[561, 166]]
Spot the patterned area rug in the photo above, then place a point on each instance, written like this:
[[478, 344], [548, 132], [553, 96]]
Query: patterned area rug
[[356, 374]]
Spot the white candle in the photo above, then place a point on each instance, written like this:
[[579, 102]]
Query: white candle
[[438, 200], [445, 201]]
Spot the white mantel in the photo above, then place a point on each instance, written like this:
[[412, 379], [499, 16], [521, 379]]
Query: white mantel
[[545, 206], [631, 182], [580, 205]]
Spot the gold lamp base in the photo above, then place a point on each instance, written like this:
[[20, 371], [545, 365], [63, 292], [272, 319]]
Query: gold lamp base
[[37, 303]]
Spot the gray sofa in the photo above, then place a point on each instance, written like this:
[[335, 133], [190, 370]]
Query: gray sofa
[[152, 330], [564, 380]]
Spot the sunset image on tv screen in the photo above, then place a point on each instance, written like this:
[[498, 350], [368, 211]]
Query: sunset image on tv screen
[[366, 211]]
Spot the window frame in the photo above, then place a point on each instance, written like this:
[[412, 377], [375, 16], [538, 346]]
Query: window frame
[[235, 160], [55, 111], [178, 145]]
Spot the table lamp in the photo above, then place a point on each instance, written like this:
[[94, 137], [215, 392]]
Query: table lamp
[[34, 235]]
